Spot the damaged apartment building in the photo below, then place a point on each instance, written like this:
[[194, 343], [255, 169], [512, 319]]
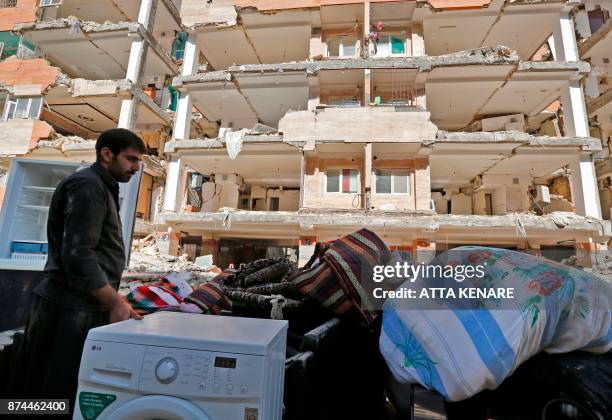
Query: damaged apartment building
[[434, 123], [285, 123], [71, 69], [594, 31]]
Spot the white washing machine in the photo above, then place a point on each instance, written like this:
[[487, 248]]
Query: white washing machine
[[178, 366]]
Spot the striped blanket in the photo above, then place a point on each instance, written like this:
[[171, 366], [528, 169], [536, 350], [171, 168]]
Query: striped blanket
[[461, 351], [333, 275], [153, 297]]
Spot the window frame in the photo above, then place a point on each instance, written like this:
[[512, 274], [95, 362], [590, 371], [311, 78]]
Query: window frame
[[408, 175], [15, 101], [341, 45], [388, 36], [340, 180]]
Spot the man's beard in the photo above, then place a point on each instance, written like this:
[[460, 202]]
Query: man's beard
[[117, 172]]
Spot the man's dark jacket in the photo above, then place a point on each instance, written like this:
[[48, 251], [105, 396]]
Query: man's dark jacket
[[86, 249]]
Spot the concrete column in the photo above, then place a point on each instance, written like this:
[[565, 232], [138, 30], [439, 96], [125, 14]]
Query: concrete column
[[591, 85], [136, 64], [583, 182], [367, 87], [128, 114], [574, 110], [565, 47], [367, 176], [302, 178], [182, 119], [146, 14], [582, 23], [174, 185], [365, 44], [191, 57], [135, 73], [138, 52]]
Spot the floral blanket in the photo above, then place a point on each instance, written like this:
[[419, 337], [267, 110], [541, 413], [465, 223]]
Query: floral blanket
[[461, 351]]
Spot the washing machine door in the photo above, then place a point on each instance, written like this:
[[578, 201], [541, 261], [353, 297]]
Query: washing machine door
[[158, 407]]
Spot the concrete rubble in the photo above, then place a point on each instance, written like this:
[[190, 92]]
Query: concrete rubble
[[148, 265]]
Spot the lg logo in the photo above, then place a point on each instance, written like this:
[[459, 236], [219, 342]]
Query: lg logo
[[94, 347]]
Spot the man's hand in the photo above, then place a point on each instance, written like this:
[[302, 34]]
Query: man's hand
[[121, 311]]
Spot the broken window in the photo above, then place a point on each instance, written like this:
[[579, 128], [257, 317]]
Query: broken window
[[26, 107], [342, 46], [392, 182], [342, 180], [391, 45]]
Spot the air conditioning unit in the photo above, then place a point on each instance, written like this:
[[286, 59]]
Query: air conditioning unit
[[542, 194]]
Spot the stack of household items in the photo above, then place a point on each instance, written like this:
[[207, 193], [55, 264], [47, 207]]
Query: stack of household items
[[554, 338]]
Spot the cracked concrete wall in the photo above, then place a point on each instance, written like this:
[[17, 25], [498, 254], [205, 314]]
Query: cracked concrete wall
[[24, 12]]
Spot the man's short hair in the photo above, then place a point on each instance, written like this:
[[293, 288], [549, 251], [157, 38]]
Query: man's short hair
[[118, 139]]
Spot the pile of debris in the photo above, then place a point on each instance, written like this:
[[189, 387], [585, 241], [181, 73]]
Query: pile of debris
[[148, 265], [602, 268]]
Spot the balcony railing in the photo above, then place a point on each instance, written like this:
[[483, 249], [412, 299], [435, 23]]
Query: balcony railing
[[8, 3]]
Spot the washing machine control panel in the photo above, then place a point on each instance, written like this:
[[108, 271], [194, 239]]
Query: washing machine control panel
[[173, 371]]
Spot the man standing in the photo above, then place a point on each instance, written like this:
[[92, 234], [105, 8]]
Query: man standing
[[83, 270]]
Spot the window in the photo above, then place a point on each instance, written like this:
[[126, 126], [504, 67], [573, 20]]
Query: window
[[391, 45], [342, 46], [22, 108], [342, 181], [8, 3], [392, 182], [44, 3]]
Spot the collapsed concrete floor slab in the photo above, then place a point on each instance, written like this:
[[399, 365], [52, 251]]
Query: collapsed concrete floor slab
[[460, 88], [512, 228], [103, 48]]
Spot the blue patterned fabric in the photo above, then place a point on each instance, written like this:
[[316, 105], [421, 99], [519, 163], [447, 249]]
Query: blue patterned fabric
[[461, 351]]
